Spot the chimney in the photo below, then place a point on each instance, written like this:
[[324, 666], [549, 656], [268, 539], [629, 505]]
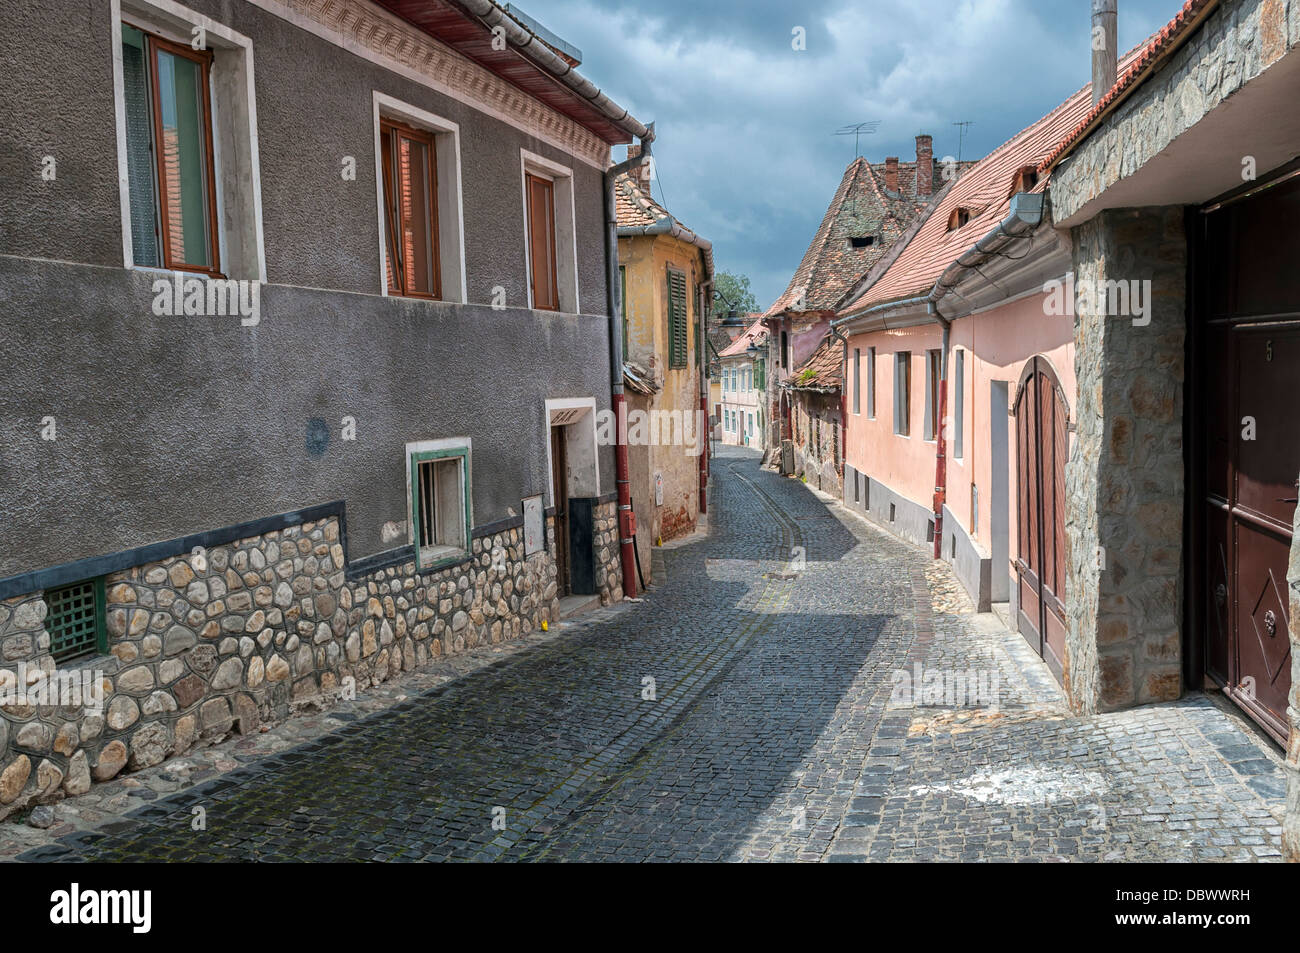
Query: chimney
[[924, 166], [1104, 41], [891, 174], [640, 174]]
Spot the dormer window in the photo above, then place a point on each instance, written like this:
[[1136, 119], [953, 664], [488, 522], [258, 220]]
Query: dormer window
[[862, 241], [1025, 179], [959, 217]]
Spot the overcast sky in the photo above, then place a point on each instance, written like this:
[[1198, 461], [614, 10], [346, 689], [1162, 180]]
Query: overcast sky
[[746, 150]]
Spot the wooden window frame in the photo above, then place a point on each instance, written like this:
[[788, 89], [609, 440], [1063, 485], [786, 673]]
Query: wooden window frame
[[933, 381], [857, 381], [154, 43], [552, 237], [390, 132]]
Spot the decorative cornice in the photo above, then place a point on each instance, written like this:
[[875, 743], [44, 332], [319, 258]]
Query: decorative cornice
[[369, 31]]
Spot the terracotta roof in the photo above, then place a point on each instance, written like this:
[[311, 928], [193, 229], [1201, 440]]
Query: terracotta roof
[[823, 371], [861, 207], [634, 208], [1139, 63], [756, 333], [984, 192]]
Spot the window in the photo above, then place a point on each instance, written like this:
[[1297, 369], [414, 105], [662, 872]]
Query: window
[[902, 393], [678, 341], [410, 169], [862, 241], [1024, 180], [439, 482], [785, 351], [857, 380], [171, 181], [75, 620], [550, 244], [933, 376], [541, 242], [958, 396], [760, 374], [958, 218], [871, 383]]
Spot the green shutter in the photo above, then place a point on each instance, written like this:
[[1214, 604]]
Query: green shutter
[[678, 341], [760, 374], [76, 620]]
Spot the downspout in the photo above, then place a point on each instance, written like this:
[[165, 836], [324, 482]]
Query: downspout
[[614, 301], [705, 291]]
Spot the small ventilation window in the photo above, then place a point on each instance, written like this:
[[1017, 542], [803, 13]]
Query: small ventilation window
[[862, 241], [959, 217], [76, 620]]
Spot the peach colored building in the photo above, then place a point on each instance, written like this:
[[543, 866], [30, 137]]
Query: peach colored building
[[960, 388]]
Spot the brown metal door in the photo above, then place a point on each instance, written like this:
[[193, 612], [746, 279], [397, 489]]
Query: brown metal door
[[1250, 306], [560, 494], [1041, 448]]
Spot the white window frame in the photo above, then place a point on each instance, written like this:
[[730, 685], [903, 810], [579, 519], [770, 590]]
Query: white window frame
[[871, 383], [566, 232], [451, 209], [902, 394], [235, 162], [959, 401], [581, 447], [433, 556], [933, 381]]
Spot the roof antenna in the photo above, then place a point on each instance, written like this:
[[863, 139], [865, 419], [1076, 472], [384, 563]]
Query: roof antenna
[[961, 135], [857, 130]]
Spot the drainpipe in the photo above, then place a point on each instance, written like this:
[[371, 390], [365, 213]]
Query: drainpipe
[[614, 301]]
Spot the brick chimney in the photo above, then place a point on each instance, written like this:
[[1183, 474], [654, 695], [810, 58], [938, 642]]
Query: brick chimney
[[924, 166], [891, 174], [641, 174]]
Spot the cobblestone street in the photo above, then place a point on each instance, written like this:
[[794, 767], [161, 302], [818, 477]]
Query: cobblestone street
[[740, 712]]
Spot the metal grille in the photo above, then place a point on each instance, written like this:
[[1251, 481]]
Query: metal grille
[[75, 619]]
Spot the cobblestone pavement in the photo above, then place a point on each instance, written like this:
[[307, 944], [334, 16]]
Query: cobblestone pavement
[[747, 709]]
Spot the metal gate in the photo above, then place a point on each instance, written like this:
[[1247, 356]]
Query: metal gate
[[1042, 422]]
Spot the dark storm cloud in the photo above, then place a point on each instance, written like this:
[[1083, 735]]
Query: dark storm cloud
[[747, 153]]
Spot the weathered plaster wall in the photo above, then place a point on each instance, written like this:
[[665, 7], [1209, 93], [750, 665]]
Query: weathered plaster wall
[[314, 107], [1124, 478], [174, 425]]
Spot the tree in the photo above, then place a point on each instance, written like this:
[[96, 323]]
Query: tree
[[735, 293]]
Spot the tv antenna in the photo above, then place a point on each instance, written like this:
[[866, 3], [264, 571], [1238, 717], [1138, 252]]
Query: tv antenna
[[961, 134], [857, 130]]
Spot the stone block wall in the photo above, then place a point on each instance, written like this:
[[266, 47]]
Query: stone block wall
[[229, 638], [1124, 478]]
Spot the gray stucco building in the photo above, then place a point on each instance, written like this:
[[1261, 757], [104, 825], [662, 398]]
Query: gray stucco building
[[349, 459]]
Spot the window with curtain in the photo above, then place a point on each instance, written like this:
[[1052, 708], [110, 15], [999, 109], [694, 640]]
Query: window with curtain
[[170, 168]]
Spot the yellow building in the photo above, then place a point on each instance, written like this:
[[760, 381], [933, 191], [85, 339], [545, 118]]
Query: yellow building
[[667, 276]]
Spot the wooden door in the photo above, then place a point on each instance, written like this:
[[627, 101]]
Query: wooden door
[[1042, 420], [1249, 303], [560, 494]]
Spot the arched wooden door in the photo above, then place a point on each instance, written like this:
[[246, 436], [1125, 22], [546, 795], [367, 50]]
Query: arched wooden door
[[1042, 420]]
